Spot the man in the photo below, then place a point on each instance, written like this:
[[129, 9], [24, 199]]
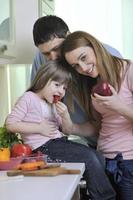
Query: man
[[48, 33]]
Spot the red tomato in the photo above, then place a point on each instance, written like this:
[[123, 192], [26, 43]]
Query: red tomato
[[20, 150], [56, 98]]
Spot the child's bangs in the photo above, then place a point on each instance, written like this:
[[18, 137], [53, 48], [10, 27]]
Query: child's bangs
[[62, 77]]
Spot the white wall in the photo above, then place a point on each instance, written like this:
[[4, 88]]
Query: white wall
[[127, 18], [103, 19], [23, 16]]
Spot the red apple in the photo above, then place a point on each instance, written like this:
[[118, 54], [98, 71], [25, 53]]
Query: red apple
[[102, 88], [20, 150], [56, 98]]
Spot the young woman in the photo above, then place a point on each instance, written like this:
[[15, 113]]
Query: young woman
[[36, 119], [90, 63]]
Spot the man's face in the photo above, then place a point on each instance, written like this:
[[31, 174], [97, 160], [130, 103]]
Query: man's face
[[51, 49]]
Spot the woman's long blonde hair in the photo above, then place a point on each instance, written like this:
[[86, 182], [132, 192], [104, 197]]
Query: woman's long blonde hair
[[109, 67]]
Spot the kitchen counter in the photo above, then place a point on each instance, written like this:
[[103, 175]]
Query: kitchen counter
[[61, 187]]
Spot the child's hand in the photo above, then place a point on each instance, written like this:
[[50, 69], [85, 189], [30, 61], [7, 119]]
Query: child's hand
[[61, 109], [48, 128], [67, 123]]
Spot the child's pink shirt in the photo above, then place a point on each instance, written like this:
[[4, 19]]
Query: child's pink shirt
[[30, 108], [116, 134]]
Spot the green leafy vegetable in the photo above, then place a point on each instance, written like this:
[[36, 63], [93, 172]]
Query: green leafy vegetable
[[7, 139]]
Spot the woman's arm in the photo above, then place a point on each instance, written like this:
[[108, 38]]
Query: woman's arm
[[119, 104], [115, 103], [126, 111]]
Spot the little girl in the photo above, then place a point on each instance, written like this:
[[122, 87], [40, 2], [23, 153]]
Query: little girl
[[35, 118]]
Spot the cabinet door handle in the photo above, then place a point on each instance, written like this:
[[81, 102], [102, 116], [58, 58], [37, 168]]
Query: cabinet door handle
[[3, 48]]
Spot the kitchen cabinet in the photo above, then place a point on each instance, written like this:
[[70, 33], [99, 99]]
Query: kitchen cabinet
[[17, 49], [6, 31], [46, 7], [13, 77], [16, 24]]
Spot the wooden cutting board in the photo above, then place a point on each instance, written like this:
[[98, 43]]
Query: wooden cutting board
[[54, 171]]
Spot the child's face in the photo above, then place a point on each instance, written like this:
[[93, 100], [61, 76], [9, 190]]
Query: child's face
[[51, 89]]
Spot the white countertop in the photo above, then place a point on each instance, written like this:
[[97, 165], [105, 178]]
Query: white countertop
[[59, 187]]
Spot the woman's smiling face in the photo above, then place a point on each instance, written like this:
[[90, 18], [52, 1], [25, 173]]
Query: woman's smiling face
[[83, 60]]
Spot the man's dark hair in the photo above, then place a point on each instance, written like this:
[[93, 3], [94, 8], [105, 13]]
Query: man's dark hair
[[47, 28]]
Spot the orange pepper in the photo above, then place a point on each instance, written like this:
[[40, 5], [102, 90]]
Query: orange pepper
[[4, 154], [31, 165]]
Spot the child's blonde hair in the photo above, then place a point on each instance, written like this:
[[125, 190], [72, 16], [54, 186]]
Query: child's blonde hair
[[53, 71]]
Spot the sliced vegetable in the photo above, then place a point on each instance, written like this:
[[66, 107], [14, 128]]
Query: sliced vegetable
[[31, 165], [56, 98]]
